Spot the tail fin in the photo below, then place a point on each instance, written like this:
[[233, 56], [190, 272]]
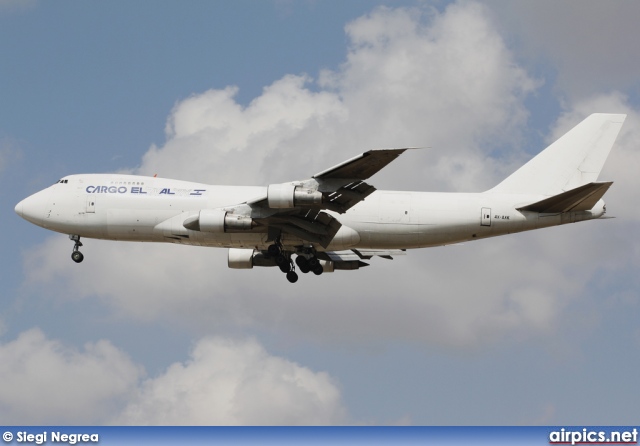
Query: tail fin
[[573, 160]]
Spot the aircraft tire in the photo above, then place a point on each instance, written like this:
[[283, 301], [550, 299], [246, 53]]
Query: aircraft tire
[[273, 250], [292, 277], [317, 270], [77, 256]]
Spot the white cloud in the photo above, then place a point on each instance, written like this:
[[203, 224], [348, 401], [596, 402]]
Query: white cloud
[[621, 166], [618, 251], [46, 382], [589, 43], [517, 287], [236, 383], [446, 81], [418, 297], [409, 78], [223, 382], [213, 139]]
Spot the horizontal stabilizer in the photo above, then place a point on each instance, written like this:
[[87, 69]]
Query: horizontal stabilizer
[[582, 198]]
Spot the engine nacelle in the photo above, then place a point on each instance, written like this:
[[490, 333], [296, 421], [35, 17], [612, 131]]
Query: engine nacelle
[[329, 266], [288, 196], [211, 220], [233, 222], [218, 221], [349, 265], [240, 258]]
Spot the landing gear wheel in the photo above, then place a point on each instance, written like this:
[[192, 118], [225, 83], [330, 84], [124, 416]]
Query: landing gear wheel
[[303, 264], [77, 256], [292, 277], [283, 263], [317, 270], [274, 250]]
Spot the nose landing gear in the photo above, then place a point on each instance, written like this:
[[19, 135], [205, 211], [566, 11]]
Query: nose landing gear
[[76, 255]]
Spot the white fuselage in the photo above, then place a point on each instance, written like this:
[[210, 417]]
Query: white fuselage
[[146, 209]]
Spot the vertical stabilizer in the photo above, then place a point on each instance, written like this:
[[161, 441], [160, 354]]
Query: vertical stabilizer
[[573, 160]]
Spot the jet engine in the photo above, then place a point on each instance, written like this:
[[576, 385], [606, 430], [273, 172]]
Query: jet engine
[[288, 196], [218, 220], [329, 266], [240, 258]]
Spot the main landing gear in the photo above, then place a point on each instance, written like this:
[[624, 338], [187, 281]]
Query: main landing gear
[[283, 260], [306, 262], [310, 264], [76, 255]]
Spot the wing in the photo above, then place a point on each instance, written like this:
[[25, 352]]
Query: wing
[[362, 166], [298, 208], [343, 185], [311, 225], [352, 258], [361, 254]]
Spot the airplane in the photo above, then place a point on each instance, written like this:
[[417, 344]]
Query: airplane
[[334, 220]]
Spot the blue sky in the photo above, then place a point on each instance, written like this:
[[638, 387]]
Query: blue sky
[[256, 92]]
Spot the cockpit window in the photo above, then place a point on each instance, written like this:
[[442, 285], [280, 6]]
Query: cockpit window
[[62, 181]]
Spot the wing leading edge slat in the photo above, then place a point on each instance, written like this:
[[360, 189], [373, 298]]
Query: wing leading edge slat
[[362, 166]]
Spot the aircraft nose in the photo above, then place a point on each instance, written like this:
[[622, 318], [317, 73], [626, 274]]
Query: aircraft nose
[[18, 208], [33, 207]]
